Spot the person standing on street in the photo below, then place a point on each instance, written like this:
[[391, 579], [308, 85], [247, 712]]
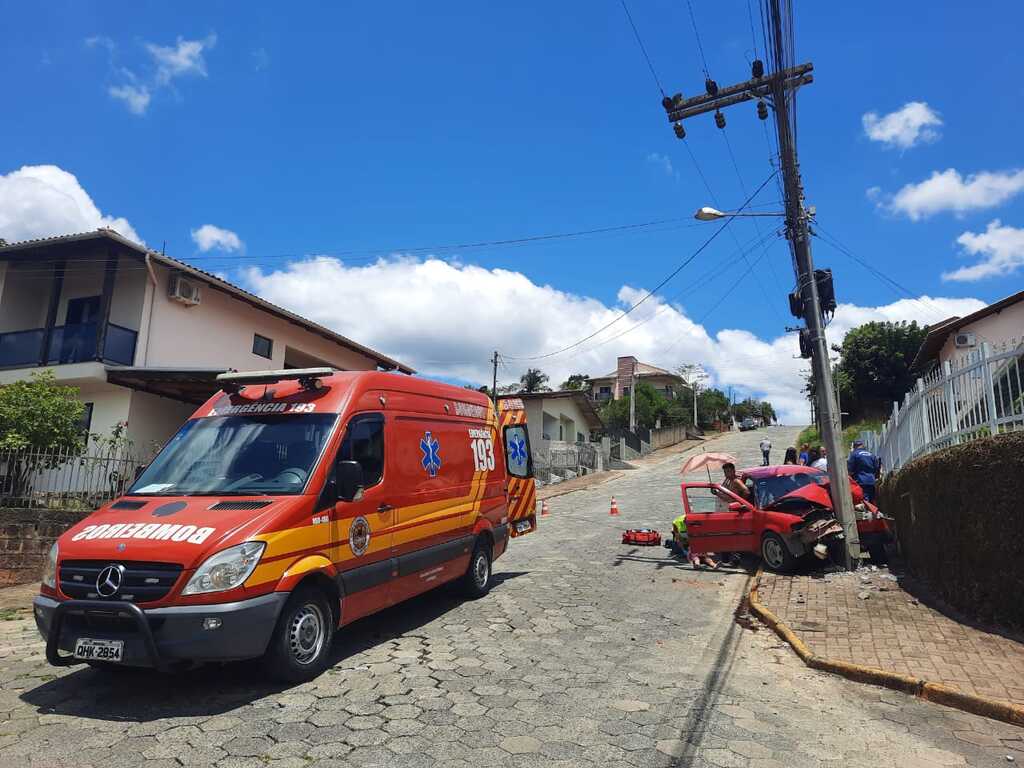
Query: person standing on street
[[804, 455], [864, 467], [766, 449], [790, 456], [822, 461]]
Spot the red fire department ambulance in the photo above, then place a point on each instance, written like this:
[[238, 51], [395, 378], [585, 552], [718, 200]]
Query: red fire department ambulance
[[290, 504]]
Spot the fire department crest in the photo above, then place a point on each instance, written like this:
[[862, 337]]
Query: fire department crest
[[359, 536]]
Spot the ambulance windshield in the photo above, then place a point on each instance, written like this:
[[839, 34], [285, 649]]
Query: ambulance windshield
[[249, 455]]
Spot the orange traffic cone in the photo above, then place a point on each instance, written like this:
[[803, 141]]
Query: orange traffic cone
[[615, 508], [544, 508]]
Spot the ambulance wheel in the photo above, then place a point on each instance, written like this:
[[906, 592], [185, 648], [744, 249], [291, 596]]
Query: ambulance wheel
[[477, 581], [300, 648], [776, 554]]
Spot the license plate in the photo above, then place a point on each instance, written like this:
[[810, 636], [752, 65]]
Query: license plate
[[99, 650], [523, 526]]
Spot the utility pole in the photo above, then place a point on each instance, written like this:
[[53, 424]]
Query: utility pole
[[494, 386], [632, 399], [695, 422], [778, 87]]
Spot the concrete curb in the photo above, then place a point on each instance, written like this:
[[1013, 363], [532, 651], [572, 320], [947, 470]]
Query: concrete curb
[[933, 692]]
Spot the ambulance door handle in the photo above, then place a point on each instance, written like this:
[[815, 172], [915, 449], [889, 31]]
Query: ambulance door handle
[[385, 508]]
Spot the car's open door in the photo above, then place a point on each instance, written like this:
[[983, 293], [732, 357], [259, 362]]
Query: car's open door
[[718, 520], [521, 490]]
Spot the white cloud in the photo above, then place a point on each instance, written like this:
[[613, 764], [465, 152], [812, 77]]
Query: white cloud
[[136, 91], [452, 316], [44, 200], [208, 237], [184, 58], [1001, 248], [915, 122], [664, 162], [949, 191], [135, 97]]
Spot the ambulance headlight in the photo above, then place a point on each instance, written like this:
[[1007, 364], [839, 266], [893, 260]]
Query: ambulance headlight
[[50, 568], [225, 570]]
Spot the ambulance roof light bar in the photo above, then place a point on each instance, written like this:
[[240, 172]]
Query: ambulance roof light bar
[[308, 378]]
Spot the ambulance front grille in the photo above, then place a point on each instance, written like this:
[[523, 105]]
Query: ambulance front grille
[[142, 582]]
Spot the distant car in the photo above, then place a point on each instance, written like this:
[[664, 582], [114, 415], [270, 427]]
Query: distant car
[[747, 424], [791, 514]]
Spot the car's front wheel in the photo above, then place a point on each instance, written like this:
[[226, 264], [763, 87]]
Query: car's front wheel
[[776, 554], [300, 647]]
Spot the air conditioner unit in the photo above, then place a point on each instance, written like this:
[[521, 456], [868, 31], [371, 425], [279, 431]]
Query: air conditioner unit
[[964, 340], [181, 290]]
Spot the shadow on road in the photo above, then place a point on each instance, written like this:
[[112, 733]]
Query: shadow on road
[[142, 695]]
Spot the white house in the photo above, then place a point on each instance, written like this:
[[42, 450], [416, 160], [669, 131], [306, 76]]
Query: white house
[[143, 335], [999, 324], [567, 416]]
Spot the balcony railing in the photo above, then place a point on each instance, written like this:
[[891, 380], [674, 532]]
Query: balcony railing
[[68, 344]]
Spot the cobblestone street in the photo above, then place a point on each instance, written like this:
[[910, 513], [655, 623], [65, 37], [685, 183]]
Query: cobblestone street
[[585, 652]]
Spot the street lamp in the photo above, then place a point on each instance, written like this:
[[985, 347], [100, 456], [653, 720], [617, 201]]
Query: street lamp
[[708, 213]]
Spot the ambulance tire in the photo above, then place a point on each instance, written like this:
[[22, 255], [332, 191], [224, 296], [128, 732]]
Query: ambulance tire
[[477, 581], [776, 554], [300, 648]]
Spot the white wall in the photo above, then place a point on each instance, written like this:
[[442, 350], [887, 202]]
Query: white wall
[[153, 419], [219, 332], [995, 329], [555, 411]]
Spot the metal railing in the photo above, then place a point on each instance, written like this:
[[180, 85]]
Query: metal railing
[[66, 479], [74, 343], [978, 395]]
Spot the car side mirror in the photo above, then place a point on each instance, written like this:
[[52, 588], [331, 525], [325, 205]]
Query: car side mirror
[[349, 481], [735, 506]]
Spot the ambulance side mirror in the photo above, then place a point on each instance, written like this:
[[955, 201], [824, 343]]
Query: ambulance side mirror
[[349, 481]]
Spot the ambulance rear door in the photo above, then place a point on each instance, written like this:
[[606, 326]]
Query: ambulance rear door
[[521, 490]]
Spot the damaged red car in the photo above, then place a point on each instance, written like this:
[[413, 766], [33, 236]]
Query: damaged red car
[[791, 516]]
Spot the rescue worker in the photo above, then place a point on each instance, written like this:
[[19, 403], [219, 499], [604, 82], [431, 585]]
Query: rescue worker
[[864, 467], [681, 545]]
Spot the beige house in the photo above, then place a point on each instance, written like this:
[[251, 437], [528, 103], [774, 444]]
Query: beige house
[[953, 340], [617, 384], [143, 335], [564, 417]]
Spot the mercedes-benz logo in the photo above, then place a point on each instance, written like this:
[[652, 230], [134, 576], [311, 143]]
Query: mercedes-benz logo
[[108, 583]]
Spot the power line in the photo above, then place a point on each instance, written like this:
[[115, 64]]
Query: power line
[[643, 48], [650, 293], [696, 33]]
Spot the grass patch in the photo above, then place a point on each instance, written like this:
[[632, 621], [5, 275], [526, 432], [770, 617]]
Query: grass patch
[[10, 614], [812, 437]]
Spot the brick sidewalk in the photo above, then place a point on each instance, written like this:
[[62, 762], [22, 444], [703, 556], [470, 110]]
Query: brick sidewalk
[[892, 630]]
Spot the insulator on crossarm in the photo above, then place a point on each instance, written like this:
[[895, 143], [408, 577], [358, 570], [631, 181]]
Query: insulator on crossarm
[[667, 104], [677, 100], [762, 109], [757, 69], [680, 131], [711, 86], [719, 119]]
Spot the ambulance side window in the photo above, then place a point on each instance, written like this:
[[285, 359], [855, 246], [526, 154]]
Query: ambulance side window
[[364, 442], [517, 451]]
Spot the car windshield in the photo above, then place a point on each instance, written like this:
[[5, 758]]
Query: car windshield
[[769, 489], [238, 455]]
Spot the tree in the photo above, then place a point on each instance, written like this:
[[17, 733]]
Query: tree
[[40, 414], [712, 406], [534, 380], [651, 407], [577, 381], [874, 366], [41, 424]]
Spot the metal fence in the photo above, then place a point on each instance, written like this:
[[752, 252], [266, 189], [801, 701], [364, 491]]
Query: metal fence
[[66, 479], [560, 463], [978, 395]]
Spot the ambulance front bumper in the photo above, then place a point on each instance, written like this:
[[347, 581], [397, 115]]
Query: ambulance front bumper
[[159, 637]]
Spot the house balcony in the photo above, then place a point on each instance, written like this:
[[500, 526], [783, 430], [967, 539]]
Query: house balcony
[[78, 343]]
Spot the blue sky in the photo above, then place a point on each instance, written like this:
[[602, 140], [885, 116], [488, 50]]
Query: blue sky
[[358, 130]]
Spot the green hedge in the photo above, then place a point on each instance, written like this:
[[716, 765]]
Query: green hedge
[[960, 521]]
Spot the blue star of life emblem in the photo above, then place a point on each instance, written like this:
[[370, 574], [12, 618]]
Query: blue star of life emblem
[[517, 450], [431, 454]]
